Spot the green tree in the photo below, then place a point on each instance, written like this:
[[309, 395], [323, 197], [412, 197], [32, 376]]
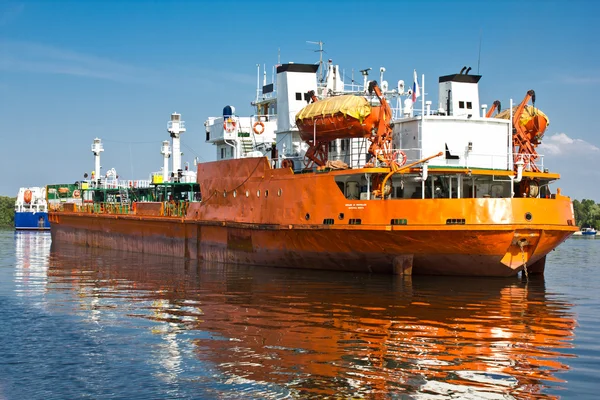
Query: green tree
[[587, 213], [7, 211]]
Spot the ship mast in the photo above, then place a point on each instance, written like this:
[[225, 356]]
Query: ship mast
[[97, 148], [166, 152], [320, 43], [176, 127]]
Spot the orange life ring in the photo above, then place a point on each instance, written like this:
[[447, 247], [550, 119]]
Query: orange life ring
[[399, 153], [256, 129], [229, 125], [27, 196], [76, 193]]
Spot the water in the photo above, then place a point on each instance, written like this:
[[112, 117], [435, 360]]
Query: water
[[88, 323]]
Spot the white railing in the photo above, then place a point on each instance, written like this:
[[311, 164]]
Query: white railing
[[528, 163], [119, 183], [181, 124]]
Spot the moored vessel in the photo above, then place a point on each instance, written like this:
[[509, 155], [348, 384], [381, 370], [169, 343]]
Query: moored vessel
[[31, 209], [587, 232], [332, 176]]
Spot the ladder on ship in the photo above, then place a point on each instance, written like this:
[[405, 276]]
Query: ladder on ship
[[124, 195], [247, 146]]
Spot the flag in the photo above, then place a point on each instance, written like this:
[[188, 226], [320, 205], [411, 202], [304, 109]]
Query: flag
[[415, 92]]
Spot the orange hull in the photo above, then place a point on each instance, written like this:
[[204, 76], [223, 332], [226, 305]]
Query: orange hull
[[275, 218], [331, 127]]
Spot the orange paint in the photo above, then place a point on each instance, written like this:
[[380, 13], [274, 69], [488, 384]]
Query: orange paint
[[253, 214]]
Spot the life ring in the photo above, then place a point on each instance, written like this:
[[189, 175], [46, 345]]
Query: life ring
[[258, 127], [27, 196], [287, 163], [76, 193], [399, 153], [229, 125]]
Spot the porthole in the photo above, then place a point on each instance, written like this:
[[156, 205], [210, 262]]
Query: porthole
[[247, 193], [279, 193], [267, 193], [528, 216], [234, 193], [341, 216], [224, 193], [307, 216], [258, 193]]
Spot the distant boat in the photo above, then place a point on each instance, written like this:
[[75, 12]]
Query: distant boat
[[586, 232], [31, 209]]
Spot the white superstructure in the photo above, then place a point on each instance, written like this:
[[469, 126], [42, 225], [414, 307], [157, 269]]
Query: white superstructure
[[454, 124], [31, 199]]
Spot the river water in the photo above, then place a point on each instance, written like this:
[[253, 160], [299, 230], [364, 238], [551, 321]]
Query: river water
[[101, 324]]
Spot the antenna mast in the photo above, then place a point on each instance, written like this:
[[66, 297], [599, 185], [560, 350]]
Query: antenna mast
[[320, 43], [479, 55]]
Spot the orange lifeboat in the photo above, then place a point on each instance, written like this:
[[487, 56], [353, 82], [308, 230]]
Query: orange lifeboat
[[346, 116], [27, 196], [532, 120]]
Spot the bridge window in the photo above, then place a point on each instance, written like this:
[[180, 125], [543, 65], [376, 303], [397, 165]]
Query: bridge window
[[461, 104], [298, 96]]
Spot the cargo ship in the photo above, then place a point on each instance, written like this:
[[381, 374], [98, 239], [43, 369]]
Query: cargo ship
[[337, 176], [31, 209]]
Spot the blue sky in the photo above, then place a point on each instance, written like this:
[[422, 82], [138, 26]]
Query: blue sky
[[74, 70]]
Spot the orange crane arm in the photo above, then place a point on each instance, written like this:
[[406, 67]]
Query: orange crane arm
[[495, 106], [517, 114]]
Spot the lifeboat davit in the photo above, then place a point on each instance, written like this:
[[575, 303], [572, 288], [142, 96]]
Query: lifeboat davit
[[532, 120], [346, 116]]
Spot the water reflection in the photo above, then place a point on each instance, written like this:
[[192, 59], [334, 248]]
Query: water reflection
[[32, 250], [313, 334]]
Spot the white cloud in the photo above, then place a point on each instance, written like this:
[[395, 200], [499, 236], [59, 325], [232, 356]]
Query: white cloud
[[560, 144], [39, 58], [20, 56]]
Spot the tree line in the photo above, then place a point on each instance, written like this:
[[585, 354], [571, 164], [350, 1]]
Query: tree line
[[7, 211], [587, 213]]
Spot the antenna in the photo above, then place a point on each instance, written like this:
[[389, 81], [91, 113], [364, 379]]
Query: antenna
[[320, 43], [479, 56]]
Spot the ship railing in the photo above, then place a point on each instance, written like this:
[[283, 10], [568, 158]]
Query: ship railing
[[355, 154], [263, 117], [105, 208], [244, 128], [119, 183], [402, 156], [181, 124], [530, 162]]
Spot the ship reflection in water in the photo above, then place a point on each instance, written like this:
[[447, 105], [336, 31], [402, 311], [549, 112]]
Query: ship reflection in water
[[314, 334]]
